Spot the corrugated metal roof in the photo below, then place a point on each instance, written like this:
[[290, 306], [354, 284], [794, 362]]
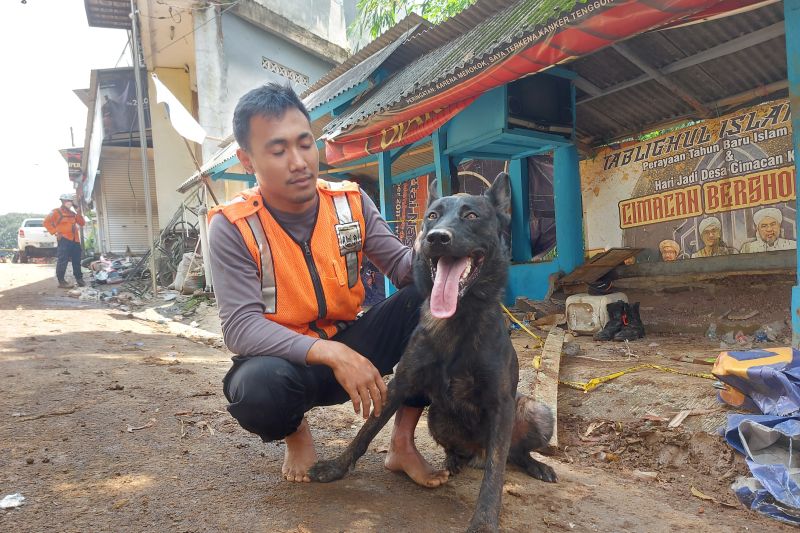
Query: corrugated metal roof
[[356, 75], [480, 31], [223, 155], [648, 104], [108, 13], [388, 37]]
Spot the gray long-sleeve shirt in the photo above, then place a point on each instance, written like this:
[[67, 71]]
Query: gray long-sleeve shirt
[[238, 288]]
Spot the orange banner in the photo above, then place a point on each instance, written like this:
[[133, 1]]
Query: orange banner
[[408, 131]]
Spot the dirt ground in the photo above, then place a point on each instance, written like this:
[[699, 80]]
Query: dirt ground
[[108, 423]]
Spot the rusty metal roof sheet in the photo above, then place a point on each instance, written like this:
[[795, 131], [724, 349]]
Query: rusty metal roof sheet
[[481, 29], [387, 38], [714, 82], [108, 13]]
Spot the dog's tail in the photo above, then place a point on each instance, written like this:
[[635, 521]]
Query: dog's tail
[[534, 425]]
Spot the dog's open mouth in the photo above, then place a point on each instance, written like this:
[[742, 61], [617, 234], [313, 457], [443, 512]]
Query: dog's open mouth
[[452, 276]]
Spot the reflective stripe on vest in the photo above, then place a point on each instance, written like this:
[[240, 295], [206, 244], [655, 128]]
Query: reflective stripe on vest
[[349, 235], [268, 292]]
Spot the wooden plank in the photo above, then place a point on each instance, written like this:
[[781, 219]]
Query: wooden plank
[[599, 265], [545, 383]]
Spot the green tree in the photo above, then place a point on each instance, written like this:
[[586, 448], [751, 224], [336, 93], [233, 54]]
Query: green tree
[[376, 16]]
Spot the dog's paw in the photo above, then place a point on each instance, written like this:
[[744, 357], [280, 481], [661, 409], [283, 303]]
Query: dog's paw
[[327, 471], [541, 471], [454, 463]]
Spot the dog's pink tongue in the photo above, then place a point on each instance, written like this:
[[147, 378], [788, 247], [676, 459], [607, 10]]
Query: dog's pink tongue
[[444, 297]]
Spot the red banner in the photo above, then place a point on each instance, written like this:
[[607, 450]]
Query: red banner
[[405, 132], [588, 28]]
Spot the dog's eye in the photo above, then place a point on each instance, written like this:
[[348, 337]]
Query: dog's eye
[[433, 215], [471, 216]]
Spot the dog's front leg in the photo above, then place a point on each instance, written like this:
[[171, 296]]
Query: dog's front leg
[[487, 510], [333, 469]]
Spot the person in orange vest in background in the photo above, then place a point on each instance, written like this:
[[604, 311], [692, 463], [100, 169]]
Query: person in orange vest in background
[[63, 222], [286, 259]]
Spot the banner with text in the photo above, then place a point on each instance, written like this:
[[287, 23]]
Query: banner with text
[[719, 187], [548, 33]]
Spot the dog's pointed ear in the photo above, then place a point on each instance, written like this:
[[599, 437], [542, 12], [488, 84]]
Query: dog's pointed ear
[[500, 193], [433, 193]]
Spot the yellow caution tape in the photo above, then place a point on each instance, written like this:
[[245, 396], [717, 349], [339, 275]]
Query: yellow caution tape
[[596, 382], [404, 220], [529, 332]]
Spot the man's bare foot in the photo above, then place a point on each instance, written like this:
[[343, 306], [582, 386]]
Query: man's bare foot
[[300, 454], [403, 454], [410, 461]]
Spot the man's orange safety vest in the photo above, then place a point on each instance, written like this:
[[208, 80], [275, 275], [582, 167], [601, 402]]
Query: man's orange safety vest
[[63, 223], [312, 287]]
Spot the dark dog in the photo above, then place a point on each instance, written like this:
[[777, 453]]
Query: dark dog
[[460, 356]]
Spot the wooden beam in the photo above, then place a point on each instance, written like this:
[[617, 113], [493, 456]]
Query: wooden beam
[[545, 385], [727, 48], [627, 52]]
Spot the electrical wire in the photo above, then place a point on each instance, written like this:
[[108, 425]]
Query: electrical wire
[[127, 44], [230, 6]]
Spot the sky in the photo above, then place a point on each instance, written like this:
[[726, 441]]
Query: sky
[[47, 49]]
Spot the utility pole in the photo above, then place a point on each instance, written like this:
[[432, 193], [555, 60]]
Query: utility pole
[[143, 139]]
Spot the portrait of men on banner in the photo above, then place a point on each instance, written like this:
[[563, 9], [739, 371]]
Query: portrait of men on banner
[[670, 250], [710, 230], [768, 224]]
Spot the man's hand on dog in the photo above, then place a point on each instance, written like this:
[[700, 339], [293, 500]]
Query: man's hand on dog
[[354, 372]]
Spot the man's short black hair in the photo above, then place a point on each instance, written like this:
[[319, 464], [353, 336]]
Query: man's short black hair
[[271, 100]]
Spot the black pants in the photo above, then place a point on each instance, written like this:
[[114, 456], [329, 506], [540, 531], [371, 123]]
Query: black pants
[[68, 251], [268, 395]]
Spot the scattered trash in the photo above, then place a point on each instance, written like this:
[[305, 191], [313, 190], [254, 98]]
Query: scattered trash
[[111, 271], [149, 424], [194, 323], [743, 340], [647, 476], [606, 457], [12, 500], [524, 305], [678, 419], [760, 336], [169, 296], [711, 332], [571, 349], [705, 497], [593, 426], [653, 345]]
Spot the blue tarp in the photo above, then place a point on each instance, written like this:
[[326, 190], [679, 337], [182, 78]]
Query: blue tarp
[[770, 441]]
